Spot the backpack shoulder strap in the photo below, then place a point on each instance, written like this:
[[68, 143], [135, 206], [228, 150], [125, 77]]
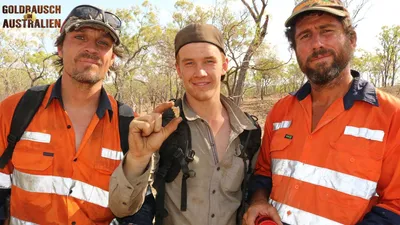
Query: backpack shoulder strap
[[23, 115], [175, 154], [125, 116], [250, 141]]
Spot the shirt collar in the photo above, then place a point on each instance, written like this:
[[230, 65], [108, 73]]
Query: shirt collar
[[360, 90], [104, 103]]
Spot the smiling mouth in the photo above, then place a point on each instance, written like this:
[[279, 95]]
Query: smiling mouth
[[201, 84], [88, 61], [319, 57]]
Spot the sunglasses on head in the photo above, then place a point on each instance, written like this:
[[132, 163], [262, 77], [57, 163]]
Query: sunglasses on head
[[89, 12]]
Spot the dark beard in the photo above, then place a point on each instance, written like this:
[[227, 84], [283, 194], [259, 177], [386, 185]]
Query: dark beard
[[82, 76], [323, 74]]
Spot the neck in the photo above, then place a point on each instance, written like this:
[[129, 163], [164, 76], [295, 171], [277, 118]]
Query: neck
[[208, 110], [76, 94], [327, 94]]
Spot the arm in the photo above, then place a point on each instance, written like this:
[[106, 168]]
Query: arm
[[259, 188], [5, 178], [129, 181], [127, 190], [387, 210], [380, 216]]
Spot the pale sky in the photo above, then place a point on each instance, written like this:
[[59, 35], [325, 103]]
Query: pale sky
[[378, 14]]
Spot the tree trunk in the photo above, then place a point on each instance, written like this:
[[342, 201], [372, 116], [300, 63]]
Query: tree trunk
[[259, 37]]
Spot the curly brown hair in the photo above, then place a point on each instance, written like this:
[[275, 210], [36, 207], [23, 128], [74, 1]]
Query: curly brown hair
[[290, 31]]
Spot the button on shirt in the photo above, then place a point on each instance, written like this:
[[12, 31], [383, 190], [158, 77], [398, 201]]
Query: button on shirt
[[214, 194]]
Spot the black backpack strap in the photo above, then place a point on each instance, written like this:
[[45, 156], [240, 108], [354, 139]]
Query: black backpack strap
[[250, 141], [23, 114], [175, 154], [125, 116]]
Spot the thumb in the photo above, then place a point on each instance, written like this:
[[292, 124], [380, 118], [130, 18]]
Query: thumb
[[162, 107], [171, 127]]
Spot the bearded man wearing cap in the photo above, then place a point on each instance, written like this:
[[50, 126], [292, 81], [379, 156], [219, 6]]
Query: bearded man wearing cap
[[214, 192], [331, 151], [60, 168]]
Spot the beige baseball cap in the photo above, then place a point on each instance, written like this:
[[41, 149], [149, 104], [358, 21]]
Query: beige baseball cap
[[334, 7]]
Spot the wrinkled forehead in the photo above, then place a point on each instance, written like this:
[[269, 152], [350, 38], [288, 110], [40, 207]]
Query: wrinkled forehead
[[314, 17], [93, 29]]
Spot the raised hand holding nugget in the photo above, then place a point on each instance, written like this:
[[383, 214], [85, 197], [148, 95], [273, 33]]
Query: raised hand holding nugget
[[146, 134]]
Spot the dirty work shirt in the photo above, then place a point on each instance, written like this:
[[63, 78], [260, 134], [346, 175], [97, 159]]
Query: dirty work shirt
[[52, 182], [332, 174], [214, 194]]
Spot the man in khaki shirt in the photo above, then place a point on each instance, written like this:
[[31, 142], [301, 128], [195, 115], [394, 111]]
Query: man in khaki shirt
[[214, 193]]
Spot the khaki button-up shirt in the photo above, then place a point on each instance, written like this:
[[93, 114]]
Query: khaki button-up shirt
[[214, 194]]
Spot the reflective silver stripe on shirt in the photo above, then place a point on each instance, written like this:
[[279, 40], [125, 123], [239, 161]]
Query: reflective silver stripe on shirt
[[281, 125], [36, 137], [298, 216], [375, 135], [16, 221], [5, 181], [111, 154], [341, 182], [89, 193], [60, 186]]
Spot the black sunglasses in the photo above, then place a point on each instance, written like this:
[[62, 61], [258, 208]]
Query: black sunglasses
[[94, 13]]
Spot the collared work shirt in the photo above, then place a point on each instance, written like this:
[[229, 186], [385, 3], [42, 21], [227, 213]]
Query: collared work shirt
[[52, 182], [214, 194], [329, 175]]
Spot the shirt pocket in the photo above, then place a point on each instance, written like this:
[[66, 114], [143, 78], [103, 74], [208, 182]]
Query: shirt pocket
[[278, 152], [33, 170], [357, 157], [233, 175], [108, 160]]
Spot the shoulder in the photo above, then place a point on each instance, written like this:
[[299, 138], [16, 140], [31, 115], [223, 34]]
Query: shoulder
[[7, 106], [283, 105], [387, 102]]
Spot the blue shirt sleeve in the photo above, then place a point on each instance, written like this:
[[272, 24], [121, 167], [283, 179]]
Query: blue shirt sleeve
[[380, 216], [258, 182]]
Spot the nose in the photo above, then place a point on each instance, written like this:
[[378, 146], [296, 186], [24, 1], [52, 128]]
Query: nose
[[316, 41], [200, 71], [91, 46]]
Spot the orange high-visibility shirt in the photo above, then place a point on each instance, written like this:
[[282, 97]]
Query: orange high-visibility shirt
[[329, 176], [52, 182]]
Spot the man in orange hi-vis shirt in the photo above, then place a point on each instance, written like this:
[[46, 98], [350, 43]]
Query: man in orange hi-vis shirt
[[333, 146], [58, 170]]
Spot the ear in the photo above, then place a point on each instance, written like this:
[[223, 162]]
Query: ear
[[59, 51], [178, 69], [225, 65], [113, 58], [353, 40]]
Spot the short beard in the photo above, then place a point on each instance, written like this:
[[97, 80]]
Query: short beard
[[84, 76], [324, 74]]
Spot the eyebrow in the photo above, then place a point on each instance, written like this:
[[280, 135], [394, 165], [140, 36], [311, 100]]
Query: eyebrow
[[323, 26], [190, 59], [105, 34]]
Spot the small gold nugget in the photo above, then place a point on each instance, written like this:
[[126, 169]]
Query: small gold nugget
[[176, 111]]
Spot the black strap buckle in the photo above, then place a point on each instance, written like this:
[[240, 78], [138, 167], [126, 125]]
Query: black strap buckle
[[12, 140]]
